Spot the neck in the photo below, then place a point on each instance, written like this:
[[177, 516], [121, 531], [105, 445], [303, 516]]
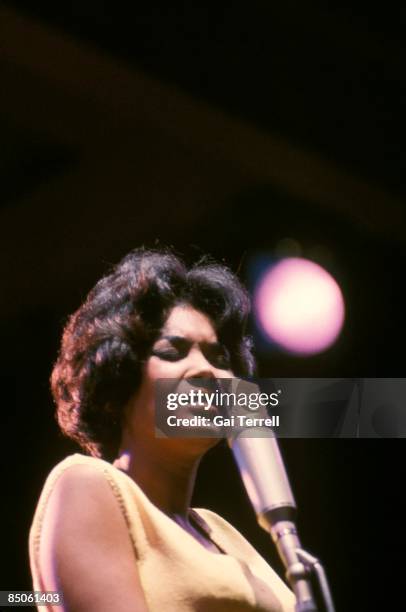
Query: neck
[[167, 478]]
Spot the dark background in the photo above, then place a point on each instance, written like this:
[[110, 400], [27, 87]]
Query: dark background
[[220, 129]]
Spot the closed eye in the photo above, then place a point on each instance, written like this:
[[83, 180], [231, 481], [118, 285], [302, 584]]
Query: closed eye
[[175, 348], [218, 355], [171, 349], [168, 354]]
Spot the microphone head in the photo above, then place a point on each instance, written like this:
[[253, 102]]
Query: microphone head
[[264, 476]]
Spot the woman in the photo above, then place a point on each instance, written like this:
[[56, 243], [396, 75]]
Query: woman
[[114, 530]]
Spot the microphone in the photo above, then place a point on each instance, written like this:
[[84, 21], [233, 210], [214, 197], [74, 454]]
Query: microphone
[[264, 476], [263, 473]]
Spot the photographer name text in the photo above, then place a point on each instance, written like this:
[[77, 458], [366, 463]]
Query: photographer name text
[[239, 420]]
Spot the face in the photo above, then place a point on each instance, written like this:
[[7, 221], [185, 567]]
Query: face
[[187, 348]]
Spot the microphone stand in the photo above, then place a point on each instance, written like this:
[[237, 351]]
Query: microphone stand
[[269, 491], [300, 566], [313, 565]]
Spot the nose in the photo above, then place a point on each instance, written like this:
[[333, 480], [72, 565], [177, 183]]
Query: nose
[[198, 366]]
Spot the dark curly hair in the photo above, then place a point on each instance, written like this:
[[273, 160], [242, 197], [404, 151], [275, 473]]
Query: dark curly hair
[[107, 340]]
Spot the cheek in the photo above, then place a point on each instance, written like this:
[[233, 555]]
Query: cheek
[[227, 374], [159, 368], [220, 374]]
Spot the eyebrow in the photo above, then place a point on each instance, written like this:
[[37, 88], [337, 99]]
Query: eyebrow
[[184, 340]]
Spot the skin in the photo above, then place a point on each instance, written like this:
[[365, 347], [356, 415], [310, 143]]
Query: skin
[[85, 540]]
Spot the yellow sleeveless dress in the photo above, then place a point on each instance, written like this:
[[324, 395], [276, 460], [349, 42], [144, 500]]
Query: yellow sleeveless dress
[[178, 574]]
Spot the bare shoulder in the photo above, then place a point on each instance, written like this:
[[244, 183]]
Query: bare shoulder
[[85, 547], [81, 499], [79, 482]]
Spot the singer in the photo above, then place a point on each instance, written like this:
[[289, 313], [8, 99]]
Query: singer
[[113, 528]]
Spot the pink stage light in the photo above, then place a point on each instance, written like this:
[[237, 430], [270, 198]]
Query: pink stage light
[[300, 306]]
